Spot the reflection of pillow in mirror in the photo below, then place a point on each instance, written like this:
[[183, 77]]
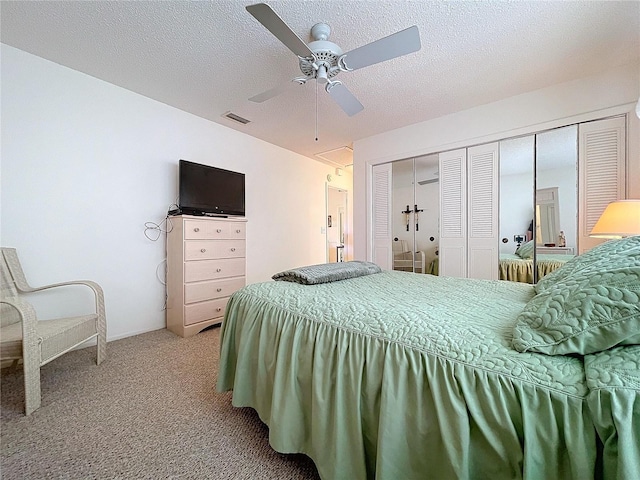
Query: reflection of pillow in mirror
[[593, 304], [525, 250]]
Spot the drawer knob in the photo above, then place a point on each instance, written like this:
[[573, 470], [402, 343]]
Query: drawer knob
[[233, 249], [219, 230], [218, 289], [218, 309], [238, 231], [196, 229], [218, 270], [203, 250]]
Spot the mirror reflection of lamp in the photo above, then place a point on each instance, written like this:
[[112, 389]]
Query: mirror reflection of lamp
[[620, 219]]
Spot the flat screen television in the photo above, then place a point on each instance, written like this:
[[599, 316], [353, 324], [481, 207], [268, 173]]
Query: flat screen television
[[206, 190]]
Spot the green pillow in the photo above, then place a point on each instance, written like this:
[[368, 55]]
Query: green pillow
[[525, 250], [590, 304], [596, 257]]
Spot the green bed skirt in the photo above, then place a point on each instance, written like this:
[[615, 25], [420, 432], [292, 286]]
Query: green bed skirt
[[613, 377], [364, 407]]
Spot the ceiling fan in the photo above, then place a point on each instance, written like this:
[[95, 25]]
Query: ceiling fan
[[322, 60]]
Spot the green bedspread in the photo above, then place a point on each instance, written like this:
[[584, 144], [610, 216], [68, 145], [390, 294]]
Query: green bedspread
[[403, 376]]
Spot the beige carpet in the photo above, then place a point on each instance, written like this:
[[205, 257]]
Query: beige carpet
[[149, 411]]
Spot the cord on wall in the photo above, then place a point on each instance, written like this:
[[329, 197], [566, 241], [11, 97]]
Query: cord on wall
[[153, 230], [163, 281]]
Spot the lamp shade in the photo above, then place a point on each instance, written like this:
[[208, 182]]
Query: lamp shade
[[619, 219]]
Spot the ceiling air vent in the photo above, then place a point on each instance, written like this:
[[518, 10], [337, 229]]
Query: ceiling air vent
[[235, 118]]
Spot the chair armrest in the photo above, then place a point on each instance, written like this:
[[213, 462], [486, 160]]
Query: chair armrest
[[93, 285], [28, 316], [97, 290]]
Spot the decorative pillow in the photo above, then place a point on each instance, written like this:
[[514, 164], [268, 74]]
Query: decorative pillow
[[592, 304], [525, 250], [327, 272], [597, 258]]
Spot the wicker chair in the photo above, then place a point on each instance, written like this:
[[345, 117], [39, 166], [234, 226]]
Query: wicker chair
[[23, 336]]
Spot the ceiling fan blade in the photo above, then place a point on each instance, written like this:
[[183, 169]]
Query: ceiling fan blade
[[273, 92], [345, 99], [272, 22], [395, 45]]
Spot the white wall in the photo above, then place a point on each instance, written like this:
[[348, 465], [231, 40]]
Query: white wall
[[516, 208], [611, 92], [85, 164]]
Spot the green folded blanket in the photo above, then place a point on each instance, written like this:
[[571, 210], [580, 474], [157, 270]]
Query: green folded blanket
[[327, 272]]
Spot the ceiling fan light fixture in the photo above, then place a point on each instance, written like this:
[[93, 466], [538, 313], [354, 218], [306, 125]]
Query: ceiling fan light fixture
[[321, 76]]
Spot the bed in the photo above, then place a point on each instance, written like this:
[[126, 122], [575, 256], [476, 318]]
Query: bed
[[514, 268], [517, 269], [395, 375]]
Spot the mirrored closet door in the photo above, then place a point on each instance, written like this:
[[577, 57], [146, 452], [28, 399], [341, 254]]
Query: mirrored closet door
[[517, 184], [556, 207], [538, 232], [415, 212], [405, 214]]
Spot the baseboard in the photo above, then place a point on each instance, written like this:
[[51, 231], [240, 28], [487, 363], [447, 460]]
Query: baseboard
[[133, 334]]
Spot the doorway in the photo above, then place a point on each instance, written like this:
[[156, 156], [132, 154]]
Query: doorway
[[336, 224]]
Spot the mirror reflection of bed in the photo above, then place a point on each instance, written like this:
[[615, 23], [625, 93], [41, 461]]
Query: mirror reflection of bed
[[550, 158], [537, 240]]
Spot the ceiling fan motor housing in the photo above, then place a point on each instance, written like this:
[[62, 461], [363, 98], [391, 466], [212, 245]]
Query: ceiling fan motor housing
[[327, 55]]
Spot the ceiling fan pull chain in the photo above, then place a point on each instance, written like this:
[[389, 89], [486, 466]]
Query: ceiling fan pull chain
[[316, 111]]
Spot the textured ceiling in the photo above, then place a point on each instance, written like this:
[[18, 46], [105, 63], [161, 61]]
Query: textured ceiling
[[209, 57]]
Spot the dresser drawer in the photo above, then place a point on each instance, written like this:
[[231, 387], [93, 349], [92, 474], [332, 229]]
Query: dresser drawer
[[199, 312], [213, 229], [197, 292], [211, 249], [199, 270]]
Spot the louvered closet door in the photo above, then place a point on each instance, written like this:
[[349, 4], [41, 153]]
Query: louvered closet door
[[482, 178], [453, 213], [601, 168], [382, 226]]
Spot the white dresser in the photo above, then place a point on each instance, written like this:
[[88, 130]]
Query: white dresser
[[205, 265], [555, 250]]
